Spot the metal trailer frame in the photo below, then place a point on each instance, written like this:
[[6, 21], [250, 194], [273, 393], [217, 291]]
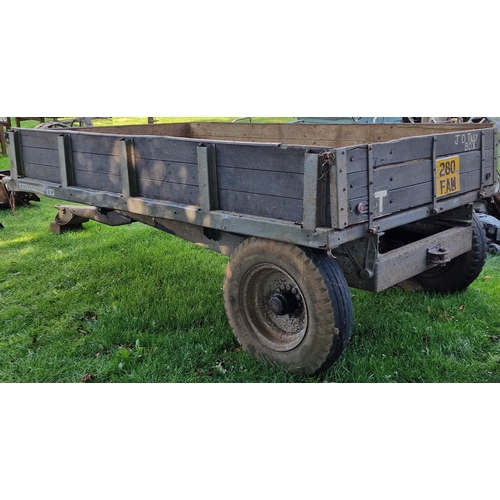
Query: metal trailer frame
[[338, 205]]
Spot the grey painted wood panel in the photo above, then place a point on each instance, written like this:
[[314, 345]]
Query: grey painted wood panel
[[42, 172], [97, 163], [412, 148], [165, 171], [261, 157], [261, 182], [94, 143], [357, 159], [166, 149], [39, 138], [169, 191], [276, 207], [49, 157], [406, 197], [97, 180]]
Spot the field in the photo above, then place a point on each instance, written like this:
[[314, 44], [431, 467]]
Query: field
[[132, 304]]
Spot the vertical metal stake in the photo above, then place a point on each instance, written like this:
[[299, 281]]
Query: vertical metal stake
[[434, 186], [338, 190], [127, 168], [66, 160], [371, 202], [16, 155], [207, 178], [314, 202]]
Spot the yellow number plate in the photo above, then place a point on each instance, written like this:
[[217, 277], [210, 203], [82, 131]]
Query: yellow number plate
[[447, 176]]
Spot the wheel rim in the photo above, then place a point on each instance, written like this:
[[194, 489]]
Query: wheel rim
[[276, 311]]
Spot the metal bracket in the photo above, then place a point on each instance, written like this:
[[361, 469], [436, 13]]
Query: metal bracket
[[71, 217], [434, 188], [371, 210], [370, 258], [437, 256]]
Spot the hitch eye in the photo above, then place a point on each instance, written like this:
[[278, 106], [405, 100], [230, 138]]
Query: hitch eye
[[437, 256]]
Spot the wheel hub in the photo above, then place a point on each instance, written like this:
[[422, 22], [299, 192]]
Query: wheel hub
[[278, 316], [279, 305], [286, 300]]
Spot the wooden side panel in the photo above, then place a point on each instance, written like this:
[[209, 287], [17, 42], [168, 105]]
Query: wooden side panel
[[40, 155], [40, 139], [166, 169], [261, 180], [331, 135], [96, 180], [165, 149], [406, 185], [276, 207], [42, 172], [155, 178]]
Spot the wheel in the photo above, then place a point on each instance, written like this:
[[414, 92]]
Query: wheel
[[288, 304], [52, 124], [461, 271], [493, 248]]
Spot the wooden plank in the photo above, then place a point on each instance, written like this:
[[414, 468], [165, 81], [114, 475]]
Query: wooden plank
[[97, 163], [168, 192], [402, 150], [406, 197], [421, 147], [180, 173], [166, 149], [261, 181], [159, 129], [41, 139], [108, 145], [419, 171], [49, 157], [43, 172], [357, 159], [261, 157], [331, 135], [98, 181], [357, 184], [276, 207]]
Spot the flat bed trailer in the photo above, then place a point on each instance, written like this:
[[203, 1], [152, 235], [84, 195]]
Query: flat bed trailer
[[304, 210]]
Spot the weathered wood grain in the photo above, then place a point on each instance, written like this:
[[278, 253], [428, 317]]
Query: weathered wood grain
[[165, 171], [97, 163], [98, 181], [42, 172], [42, 139], [276, 207], [261, 182], [175, 193], [49, 157]]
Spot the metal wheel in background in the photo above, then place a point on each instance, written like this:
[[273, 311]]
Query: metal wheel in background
[[461, 271]]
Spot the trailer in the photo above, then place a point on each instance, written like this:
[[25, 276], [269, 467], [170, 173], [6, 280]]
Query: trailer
[[305, 211]]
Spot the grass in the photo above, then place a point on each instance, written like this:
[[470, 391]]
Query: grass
[[132, 304]]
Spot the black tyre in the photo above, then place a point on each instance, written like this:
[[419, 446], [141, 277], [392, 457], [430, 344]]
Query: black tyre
[[461, 271], [288, 304]]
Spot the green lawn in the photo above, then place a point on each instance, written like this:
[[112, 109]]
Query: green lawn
[[132, 304]]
